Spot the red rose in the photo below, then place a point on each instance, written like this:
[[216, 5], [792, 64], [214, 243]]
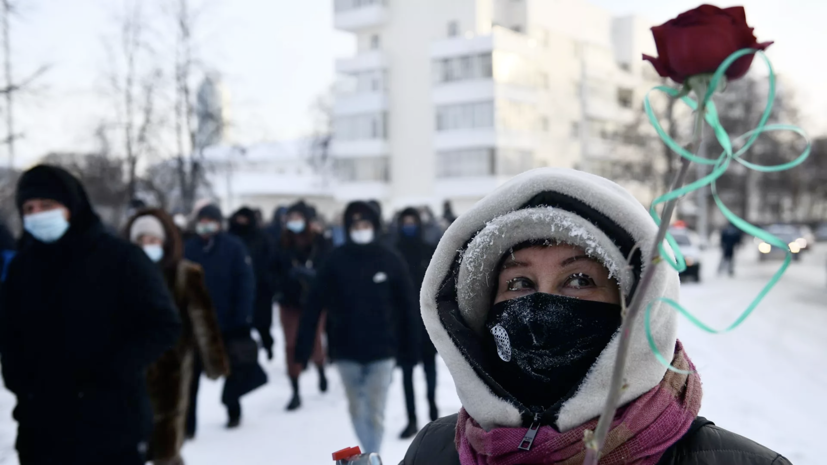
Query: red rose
[[698, 41]]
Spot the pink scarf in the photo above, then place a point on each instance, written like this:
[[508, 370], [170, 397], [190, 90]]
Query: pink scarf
[[640, 434]]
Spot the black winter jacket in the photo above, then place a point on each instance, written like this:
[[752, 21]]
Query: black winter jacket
[[228, 272], [80, 321], [417, 255], [703, 444], [297, 267], [370, 303]]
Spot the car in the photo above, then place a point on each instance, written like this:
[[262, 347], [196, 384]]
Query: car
[[689, 243], [821, 232], [789, 234]]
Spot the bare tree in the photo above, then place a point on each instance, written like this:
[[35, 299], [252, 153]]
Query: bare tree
[[321, 112], [12, 86], [134, 79]]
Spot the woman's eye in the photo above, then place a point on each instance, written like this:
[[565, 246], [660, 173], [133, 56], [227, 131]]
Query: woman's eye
[[580, 281], [520, 284]]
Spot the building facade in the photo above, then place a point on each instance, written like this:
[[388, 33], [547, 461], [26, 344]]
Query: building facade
[[446, 99]]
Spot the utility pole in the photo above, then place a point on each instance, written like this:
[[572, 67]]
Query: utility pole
[[9, 84]]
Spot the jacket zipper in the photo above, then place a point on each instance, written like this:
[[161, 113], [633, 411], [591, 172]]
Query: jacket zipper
[[528, 439]]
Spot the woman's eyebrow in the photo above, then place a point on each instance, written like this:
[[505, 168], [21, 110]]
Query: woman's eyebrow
[[514, 264], [577, 258]]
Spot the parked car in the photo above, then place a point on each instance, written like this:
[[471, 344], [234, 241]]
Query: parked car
[[791, 235], [821, 232], [690, 245]]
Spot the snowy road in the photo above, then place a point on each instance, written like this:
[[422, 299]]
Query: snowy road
[[766, 380]]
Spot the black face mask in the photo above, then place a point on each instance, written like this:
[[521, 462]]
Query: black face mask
[[542, 345]]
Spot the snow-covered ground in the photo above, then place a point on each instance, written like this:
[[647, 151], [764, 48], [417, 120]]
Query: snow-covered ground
[[766, 380]]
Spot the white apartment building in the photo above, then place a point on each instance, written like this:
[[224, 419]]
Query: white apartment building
[[446, 99]]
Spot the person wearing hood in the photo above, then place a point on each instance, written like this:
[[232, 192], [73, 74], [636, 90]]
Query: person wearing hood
[[417, 254], [83, 315], [170, 376], [522, 300], [367, 291], [244, 224], [228, 273], [303, 250]]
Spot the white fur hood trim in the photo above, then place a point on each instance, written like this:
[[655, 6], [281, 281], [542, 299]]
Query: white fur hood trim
[[643, 370]]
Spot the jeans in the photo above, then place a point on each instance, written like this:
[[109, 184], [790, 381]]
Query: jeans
[[366, 386]]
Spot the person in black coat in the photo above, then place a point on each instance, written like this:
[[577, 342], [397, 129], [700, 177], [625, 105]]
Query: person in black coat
[[7, 250], [230, 279], [367, 291], [417, 254], [83, 315], [730, 239], [245, 225], [303, 250]]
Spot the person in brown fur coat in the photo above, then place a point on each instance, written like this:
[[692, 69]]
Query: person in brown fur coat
[[169, 378]]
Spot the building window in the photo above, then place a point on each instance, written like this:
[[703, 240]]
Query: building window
[[465, 116], [466, 163], [375, 42], [482, 162], [517, 28], [575, 129], [360, 127], [453, 29], [625, 97], [463, 68], [365, 169]]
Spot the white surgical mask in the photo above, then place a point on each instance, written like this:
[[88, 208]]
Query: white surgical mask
[[296, 226], [48, 226], [205, 229], [155, 252], [362, 236]]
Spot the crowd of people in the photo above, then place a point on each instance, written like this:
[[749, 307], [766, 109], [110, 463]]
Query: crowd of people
[[104, 337], [133, 319]]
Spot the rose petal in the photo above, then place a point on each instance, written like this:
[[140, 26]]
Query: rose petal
[[661, 69], [699, 50], [738, 13], [740, 68]]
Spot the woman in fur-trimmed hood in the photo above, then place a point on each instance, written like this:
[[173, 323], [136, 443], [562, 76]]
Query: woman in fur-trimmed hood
[[169, 377], [523, 302]]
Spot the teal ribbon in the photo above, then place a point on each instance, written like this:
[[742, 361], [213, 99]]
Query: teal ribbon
[[719, 167]]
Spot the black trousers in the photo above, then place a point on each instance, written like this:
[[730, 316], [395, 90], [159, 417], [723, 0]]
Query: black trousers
[[233, 405], [429, 365]]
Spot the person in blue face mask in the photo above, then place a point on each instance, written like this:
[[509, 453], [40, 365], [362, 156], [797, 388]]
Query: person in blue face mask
[[302, 252], [100, 313], [169, 378], [417, 254]]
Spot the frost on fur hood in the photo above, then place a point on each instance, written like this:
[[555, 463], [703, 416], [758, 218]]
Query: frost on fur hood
[[562, 205]]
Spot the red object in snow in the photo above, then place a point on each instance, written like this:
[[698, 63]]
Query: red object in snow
[[347, 453]]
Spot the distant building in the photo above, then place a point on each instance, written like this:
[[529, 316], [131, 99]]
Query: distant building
[[211, 107], [446, 99]]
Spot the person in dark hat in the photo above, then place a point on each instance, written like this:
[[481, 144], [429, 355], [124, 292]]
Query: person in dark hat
[[244, 224], [417, 254], [230, 280], [371, 304], [303, 250], [83, 314]]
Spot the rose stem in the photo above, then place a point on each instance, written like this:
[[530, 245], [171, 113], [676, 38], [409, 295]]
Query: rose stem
[[595, 444]]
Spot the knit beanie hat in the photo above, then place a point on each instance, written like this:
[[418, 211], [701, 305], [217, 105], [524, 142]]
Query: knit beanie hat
[[210, 212], [43, 182], [147, 225]]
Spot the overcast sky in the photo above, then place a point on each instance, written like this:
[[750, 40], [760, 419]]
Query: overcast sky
[[277, 56]]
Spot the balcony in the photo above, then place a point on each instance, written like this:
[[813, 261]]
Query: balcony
[[359, 148], [364, 61], [359, 103], [357, 15]]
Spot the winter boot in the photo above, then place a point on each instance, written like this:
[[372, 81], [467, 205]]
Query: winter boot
[[409, 431], [234, 412], [322, 379], [295, 401], [433, 411]]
